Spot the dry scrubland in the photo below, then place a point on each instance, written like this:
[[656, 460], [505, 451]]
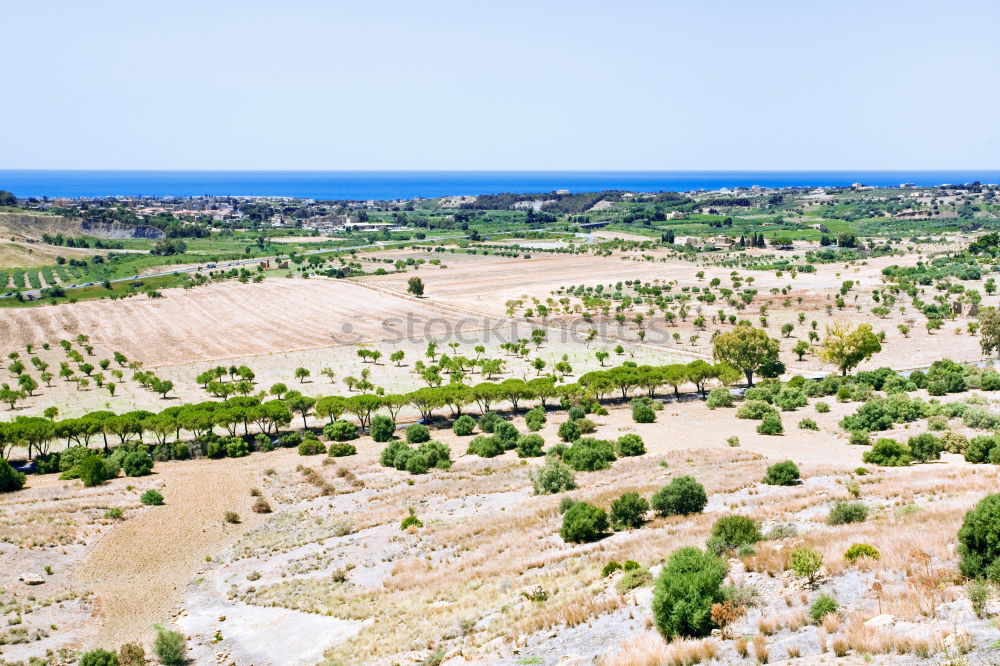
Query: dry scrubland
[[330, 577]]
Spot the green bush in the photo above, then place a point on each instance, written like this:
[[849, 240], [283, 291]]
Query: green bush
[[859, 550], [630, 445], [782, 474], [170, 647], [506, 434], [823, 606], [719, 397], [10, 478], [93, 470], [98, 658], [382, 428], [131, 654], [642, 412], [569, 431], [808, 424], [341, 449], [633, 578], [806, 562], [311, 447], [237, 447], [583, 522], [535, 419], [733, 532], [682, 496], [417, 433], [691, 581], [530, 446], [888, 453], [847, 512], [488, 420], [463, 425], [770, 425], [610, 568], [979, 448], [822, 407], [137, 463], [925, 447], [340, 431], [262, 442], [588, 455], [979, 540], [954, 442], [152, 498], [575, 413], [755, 410], [790, 399], [485, 446], [552, 477], [628, 511]]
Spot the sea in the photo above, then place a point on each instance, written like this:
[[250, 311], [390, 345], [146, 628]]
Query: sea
[[392, 185]]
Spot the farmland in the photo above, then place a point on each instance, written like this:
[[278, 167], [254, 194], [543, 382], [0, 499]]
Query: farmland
[[470, 449]]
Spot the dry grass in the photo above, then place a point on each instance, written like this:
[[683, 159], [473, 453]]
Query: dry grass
[[649, 649]]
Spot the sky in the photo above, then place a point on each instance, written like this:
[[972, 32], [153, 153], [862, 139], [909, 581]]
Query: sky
[[380, 84]]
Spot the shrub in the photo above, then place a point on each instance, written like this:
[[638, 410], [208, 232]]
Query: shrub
[[755, 410], [311, 447], [643, 413], [340, 431], [535, 419], [630, 445], [628, 511], [341, 449], [569, 431], [859, 550], [237, 447], [610, 568], [10, 478], [151, 498], [822, 407], [290, 439], [463, 425], [488, 420], [114, 513], [231, 517], [925, 447], [978, 593], [790, 399], [979, 448], [782, 474], [214, 449], [553, 477], [485, 447], [806, 562], [691, 581], [260, 505], [588, 455], [530, 446], [888, 453], [93, 470], [823, 606], [98, 658], [979, 540], [137, 463], [954, 442], [583, 522], [382, 428], [770, 425], [506, 434], [719, 397], [682, 496], [847, 512], [411, 521], [733, 532], [170, 647], [131, 654], [565, 503], [633, 578], [263, 442], [575, 412], [586, 426]]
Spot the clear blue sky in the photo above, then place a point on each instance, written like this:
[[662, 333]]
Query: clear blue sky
[[376, 84]]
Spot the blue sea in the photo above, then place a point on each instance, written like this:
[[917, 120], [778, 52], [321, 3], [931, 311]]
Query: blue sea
[[387, 185]]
